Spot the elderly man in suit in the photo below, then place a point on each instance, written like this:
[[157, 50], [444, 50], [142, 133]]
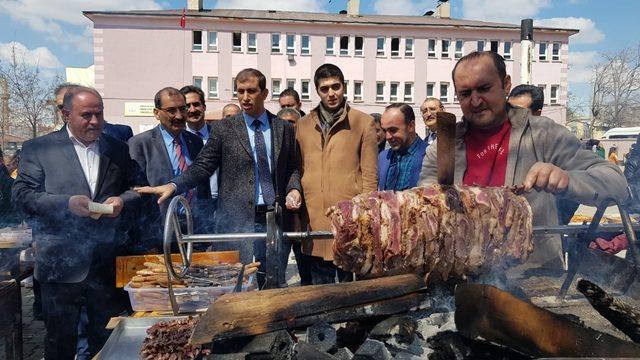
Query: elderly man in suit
[[254, 153], [59, 176]]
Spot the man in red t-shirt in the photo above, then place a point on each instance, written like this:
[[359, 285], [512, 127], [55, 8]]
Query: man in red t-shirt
[[500, 145]]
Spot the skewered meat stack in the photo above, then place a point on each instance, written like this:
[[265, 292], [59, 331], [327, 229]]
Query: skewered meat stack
[[443, 231], [169, 340]]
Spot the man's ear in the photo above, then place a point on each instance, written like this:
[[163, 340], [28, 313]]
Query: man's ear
[[155, 114], [507, 85]]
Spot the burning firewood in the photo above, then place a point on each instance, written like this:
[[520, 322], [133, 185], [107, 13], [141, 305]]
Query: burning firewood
[[621, 315]]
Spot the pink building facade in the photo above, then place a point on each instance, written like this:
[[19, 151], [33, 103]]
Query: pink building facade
[[385, 59]]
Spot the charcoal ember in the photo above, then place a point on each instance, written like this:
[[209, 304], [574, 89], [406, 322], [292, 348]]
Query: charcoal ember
[[442, 231], [343, 354], [305, 351], [450, 345], [372, 350], [276, 345], [400, 328], [323, 336], [168, 340]]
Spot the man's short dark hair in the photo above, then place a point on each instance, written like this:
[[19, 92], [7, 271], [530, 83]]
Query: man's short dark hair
[[536, 94], [498, 62], [63, 86], [171, 91], [73, 91], [406, 110], [193, 89], [327, 71], [245, 74], [377, 117], [290, 92]]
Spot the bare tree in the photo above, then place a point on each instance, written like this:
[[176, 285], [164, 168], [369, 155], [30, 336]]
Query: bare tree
[[30, 96]]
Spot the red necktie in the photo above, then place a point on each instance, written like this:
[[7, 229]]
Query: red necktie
[[182, 164]]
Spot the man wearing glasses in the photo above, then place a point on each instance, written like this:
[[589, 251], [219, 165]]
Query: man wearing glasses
[[167, 150]]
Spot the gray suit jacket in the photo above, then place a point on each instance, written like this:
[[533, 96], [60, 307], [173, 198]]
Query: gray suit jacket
[[229, 151]]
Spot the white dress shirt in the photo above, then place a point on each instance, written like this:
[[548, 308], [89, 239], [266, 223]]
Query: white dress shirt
[[203, 133], [89, 158]]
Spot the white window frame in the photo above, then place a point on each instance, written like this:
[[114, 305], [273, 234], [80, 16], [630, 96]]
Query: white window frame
[[555, 56], [291, 50], [305, 95], [196, 80], [305, 50], [554, 100], [380, 97], [396, 53], [195, 46], [408, 95], [357, 95], [341, 51], [431, 50], [212, 46], [381, 52], [394, 98], [291, 82], [252, 49], [408, 47], [234, 47], [507, 55], [545, 46], [276, 49], [330, 50], [433, 89], [458, 54], [445, 54], [276, 89], [356, 51], [444, 98], [212, 94]]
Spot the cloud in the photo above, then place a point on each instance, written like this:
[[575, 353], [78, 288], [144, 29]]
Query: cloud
[[589, 33], [402, 7], [61, 21], [509, 11], [580, 66], [283, 5], [40, 57]]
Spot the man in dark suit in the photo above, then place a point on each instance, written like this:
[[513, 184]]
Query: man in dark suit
[[59, 176], [118, 131], [167, 150], [254, 153]]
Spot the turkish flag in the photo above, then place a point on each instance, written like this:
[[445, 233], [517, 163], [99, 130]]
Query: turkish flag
[[183, 19]]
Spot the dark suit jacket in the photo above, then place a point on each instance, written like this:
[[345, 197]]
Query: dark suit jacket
[[149, 151], [229, 151], [68, 246], [118, 131]]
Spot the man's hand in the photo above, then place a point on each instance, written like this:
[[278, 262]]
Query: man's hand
[[163, 191], [294, 200], [547, 177], [79, 205], [117, 203]]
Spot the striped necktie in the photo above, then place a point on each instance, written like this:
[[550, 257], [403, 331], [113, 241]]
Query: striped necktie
[[264, 173], [182, 164]]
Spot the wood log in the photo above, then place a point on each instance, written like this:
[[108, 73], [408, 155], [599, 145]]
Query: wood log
[[253, 313], [619, 314], [446, 127], [497, 316]]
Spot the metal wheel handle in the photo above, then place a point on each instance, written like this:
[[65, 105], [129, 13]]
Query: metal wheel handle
[[173, 229]]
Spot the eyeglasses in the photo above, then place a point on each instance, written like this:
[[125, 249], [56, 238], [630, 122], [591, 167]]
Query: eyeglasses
[[173, 111]]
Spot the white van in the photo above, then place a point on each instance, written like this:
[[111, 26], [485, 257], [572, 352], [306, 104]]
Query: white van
[[622, 133]]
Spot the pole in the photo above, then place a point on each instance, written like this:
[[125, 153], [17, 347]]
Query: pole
[[5, 109], [526, 50]]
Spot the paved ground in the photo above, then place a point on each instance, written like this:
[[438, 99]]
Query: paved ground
[[32, 330]]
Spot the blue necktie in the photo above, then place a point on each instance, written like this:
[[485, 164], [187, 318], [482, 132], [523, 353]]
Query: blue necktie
[[264, 174]]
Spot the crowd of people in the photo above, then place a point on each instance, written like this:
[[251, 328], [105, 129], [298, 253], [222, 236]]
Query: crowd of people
[[235, 170]]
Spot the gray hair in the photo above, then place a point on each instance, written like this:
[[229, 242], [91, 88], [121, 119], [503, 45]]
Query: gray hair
[[289, 111]]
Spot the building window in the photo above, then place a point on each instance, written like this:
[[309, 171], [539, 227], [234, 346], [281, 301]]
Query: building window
[[543, 88], [542, 51], [445, 48], [275, 88], [291, 44], [444, 92], [359, 46], [480, 45], [304, 45], [507, 50], [252, 43], [380, 91], [408, 47], [291, 83], [357, 91], [494, 45], [234, 87], [196, 44], [395, 47], [345, 93], [212, 41], [431, 48], [344, 45], [237, 41], [213, 87], [408, 92], [380, 47], [555, 52], [459, 49], [197, 81], [330, 45], [275, 43], [393, 92], [304, 90], [430, 87], [553, 94]]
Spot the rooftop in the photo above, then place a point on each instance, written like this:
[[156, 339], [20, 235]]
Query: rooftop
[[322, 18]]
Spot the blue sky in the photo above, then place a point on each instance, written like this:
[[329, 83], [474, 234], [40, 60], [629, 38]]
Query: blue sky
[[54, 34]]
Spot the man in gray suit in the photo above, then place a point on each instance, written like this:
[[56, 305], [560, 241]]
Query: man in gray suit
[[254, 153], [167, 150]]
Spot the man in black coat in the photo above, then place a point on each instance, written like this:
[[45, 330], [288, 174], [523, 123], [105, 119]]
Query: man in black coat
[[254, 153], [59, 175]]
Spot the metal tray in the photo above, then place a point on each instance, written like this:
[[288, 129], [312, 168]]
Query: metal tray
[[127, 337]]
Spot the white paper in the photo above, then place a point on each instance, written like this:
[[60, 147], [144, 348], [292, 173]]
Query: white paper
[[103, 209]]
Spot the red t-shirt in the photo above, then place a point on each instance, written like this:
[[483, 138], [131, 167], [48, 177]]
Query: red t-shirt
[[487, 153]]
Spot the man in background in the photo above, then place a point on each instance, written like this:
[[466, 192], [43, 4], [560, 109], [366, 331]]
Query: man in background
[[382, 142], [527, 97], [289, 98], [230, 110], [429, 108], [289, 114]]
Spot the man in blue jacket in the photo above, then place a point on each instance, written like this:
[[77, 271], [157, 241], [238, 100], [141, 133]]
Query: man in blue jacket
[[399, 166]]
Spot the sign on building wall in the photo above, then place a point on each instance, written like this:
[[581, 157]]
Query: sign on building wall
[[138, 109]]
